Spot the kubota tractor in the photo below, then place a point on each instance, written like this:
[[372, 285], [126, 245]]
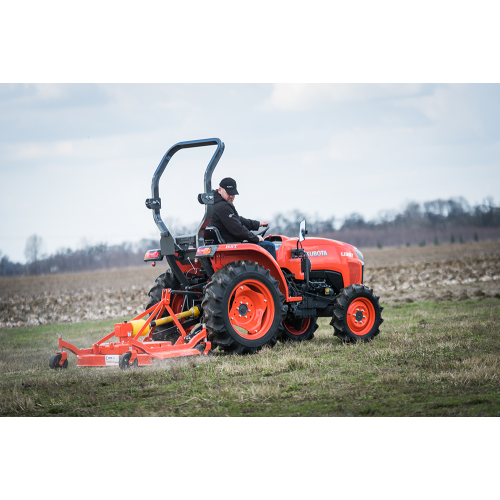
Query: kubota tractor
[[245, 298]]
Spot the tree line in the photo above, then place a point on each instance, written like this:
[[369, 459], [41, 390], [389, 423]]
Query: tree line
[[429, 223], [91, 257]]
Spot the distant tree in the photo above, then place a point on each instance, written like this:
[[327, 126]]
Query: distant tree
[[476, 237], [452, 239], [436, 241], [33, 251], [354, 221]]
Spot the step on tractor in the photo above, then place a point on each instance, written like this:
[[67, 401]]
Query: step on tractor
[[236, 296]]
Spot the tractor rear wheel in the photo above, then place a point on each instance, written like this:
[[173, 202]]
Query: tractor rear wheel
[[167, 280], [298, 330], [356, 314], [243, 308]]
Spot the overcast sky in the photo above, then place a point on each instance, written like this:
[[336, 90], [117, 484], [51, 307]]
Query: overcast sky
[[76, 160]]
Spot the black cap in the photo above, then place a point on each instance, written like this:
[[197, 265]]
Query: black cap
[[229, 185]]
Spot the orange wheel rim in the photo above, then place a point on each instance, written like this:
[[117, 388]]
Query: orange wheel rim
[[251, 309], [306, 323], [360, 316]]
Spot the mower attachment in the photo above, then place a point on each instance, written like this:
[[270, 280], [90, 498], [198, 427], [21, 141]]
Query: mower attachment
[[129, 350]]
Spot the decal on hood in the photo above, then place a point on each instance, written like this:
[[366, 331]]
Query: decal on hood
[[318, 253]]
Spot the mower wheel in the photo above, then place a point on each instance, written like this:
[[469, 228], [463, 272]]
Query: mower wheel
[[243, 308], [201, 347], [124, 361], [54, 361], [298, 330], [357, 314]]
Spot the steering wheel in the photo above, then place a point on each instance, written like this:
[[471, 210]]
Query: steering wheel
[[263, 232]]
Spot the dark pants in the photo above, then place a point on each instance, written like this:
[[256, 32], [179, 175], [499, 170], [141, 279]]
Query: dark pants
[[269, 246]]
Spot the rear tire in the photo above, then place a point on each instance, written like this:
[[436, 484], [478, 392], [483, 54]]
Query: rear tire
[[299, 330], [243, 326], [167, 280], [357, 314]]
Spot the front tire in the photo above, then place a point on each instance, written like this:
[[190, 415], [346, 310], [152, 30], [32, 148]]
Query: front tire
[[243, 308], [357, 314]]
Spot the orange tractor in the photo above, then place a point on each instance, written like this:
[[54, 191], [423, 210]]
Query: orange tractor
[[236, 296]]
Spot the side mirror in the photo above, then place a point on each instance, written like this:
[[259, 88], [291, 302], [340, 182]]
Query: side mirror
[[302, 231]]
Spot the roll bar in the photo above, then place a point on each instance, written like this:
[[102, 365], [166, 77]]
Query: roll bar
[[167, 241]]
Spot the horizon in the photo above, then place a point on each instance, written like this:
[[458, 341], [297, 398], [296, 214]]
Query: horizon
[[81, 156]]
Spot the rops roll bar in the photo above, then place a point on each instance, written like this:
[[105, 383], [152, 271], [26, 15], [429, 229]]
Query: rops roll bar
[[167, 241]]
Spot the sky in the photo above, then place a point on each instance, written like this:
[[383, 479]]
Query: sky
[[76, 160]]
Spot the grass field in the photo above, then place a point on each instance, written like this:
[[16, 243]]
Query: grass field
[[431, 359]]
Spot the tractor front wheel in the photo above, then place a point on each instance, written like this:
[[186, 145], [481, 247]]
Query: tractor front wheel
[[357, 314], [243, 308]]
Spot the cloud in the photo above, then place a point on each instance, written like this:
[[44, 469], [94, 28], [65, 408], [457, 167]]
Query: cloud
[[33, 150], [53, 95], [301, 96]]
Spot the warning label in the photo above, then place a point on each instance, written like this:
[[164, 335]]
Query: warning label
[[112, 360]]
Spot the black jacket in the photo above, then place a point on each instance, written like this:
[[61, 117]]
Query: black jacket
[[233, 228]]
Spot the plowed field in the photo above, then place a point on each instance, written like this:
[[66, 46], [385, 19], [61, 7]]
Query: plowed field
[[404, 275]]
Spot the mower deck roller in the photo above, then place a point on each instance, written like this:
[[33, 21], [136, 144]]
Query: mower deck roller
[[129, 351]]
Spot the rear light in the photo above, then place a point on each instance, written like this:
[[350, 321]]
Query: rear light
[[153, 255], [204, 250]]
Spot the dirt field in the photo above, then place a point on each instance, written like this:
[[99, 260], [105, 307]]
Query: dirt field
[[438, 273], [402, 275]]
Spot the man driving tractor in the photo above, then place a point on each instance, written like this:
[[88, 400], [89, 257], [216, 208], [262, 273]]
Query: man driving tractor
[[233, 227]]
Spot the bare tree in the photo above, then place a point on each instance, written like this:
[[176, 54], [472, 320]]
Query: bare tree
[[33, 250]]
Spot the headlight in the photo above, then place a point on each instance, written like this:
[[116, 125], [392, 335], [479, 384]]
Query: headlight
[[360, 255]]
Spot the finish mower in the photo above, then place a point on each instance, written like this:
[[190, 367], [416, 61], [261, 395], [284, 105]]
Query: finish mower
[[236, 296]]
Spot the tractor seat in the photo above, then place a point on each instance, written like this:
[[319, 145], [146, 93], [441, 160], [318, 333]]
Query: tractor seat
[[212, 236]]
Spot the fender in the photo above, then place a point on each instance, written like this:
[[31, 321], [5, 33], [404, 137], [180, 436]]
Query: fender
[[232, 252]]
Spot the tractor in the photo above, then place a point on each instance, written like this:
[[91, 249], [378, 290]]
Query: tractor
[[245, 298]]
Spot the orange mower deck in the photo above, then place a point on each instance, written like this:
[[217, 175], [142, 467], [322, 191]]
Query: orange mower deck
[[129, 351]]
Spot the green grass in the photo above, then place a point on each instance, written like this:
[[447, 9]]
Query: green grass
[[430, 360]]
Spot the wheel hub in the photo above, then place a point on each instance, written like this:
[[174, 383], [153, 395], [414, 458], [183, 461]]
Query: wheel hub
[[359, 315], [243, 309]]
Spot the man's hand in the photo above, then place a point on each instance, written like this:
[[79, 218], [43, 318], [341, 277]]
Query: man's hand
[[264, 224], [260, 237]]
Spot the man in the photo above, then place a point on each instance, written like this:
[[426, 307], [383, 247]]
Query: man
[[232, 227]]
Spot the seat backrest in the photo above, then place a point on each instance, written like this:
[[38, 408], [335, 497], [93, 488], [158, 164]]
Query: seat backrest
[[186, 240], [212, 236]]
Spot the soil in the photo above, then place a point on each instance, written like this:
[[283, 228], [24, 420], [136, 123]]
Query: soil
[[397, 275], [439, 273]]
